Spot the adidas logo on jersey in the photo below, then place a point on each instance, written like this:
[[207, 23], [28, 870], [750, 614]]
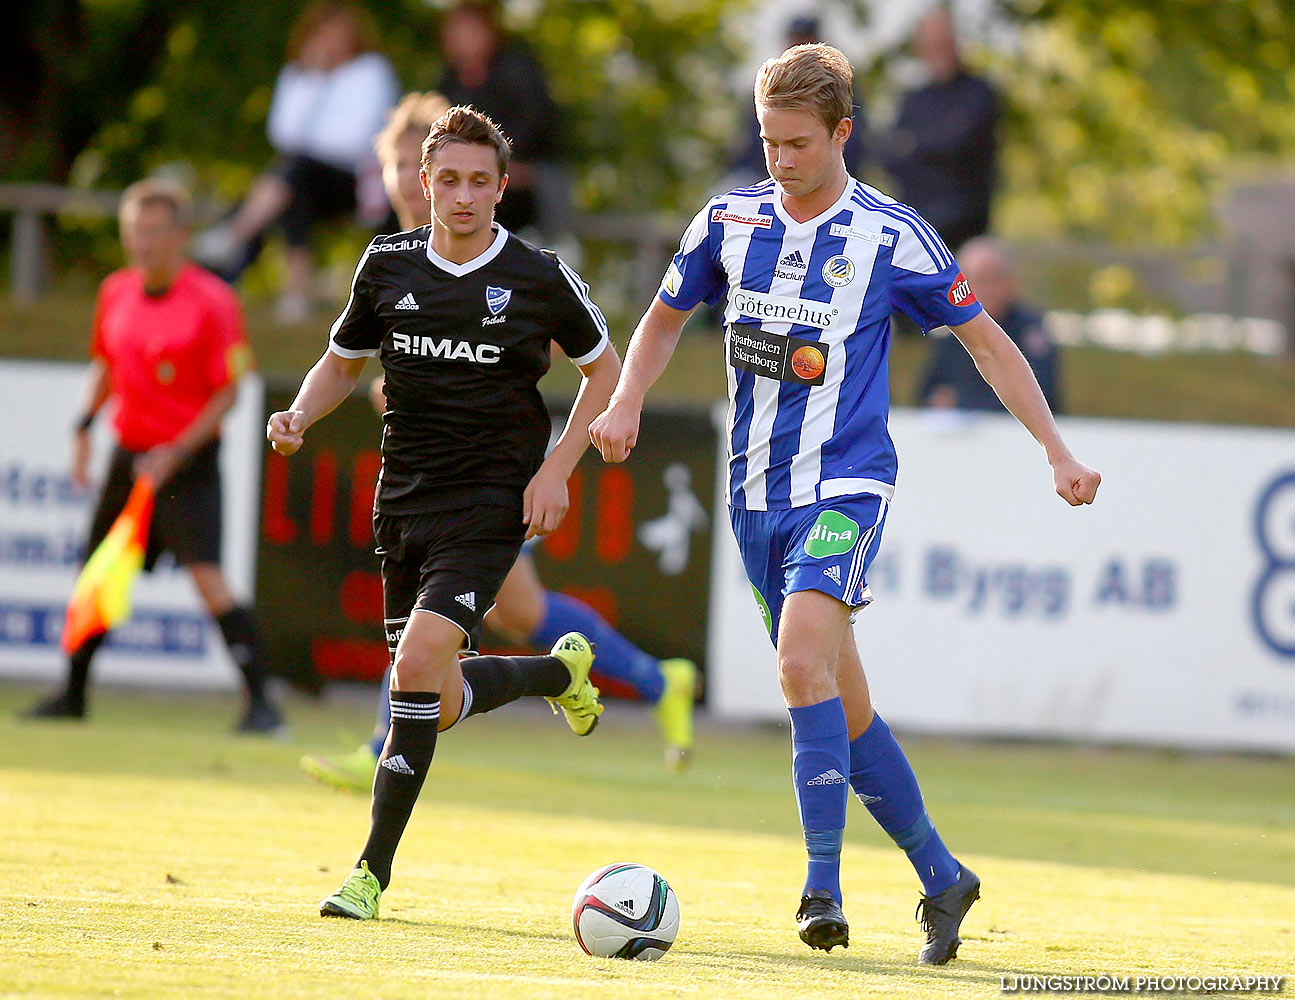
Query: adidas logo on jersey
[[407, 302], [833, 573], [794, 259], [468, 600], [829, 777], [398, 764]]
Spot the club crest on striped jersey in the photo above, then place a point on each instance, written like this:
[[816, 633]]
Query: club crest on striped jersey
[[497, 299], [960, 293], [838, 271]]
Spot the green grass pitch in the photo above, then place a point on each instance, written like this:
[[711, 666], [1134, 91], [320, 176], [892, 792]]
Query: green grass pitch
[[150, 854]]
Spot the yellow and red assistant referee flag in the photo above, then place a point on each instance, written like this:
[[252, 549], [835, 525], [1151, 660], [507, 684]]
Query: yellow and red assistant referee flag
[[101, 597]]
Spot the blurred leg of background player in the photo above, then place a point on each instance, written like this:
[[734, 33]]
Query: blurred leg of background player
[[527, 613], [186, 523]]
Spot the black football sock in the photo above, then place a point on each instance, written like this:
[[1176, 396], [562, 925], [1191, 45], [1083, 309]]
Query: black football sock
[[78, 671], [238, 626], [491, 681], [403, 765]]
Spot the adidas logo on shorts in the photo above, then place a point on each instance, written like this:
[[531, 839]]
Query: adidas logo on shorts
[[407, 302], [468, 600], [833, 573], [829, 777]]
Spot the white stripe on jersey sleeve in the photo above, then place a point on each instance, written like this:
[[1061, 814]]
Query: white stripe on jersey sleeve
[[346, 352], [582, 293], [697, 230]]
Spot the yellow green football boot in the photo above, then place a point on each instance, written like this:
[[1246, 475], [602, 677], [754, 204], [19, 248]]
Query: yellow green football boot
[[358, 897], [673, 710], [579, 702], [350, 772]]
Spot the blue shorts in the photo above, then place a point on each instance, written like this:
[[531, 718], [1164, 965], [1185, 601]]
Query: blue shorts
[[826, 546]]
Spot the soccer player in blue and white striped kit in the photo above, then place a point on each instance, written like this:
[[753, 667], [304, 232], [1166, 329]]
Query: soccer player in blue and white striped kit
[[812, 262]]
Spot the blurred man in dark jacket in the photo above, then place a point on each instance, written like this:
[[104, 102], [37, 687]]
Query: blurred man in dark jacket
[[951, 379], [942, 149]]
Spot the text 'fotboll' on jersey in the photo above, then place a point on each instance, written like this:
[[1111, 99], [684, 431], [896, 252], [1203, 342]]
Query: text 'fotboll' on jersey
[[807, 333]]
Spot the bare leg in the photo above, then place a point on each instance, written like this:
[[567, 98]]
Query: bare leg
[[264, 203], [519, 605]]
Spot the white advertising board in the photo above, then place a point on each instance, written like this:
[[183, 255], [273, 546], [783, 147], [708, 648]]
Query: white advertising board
[[1163, 614], [168, 640]]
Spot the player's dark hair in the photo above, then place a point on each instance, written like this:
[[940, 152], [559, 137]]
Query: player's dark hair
[[413, 116], [158, 191], [815, 78], [465, 124]]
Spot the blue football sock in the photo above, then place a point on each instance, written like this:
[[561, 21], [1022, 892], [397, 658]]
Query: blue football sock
[[383, 722], [884, 781], [820, 758], [617, 657]]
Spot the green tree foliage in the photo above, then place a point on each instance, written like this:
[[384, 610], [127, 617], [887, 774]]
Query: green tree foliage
[[133, 84], [1125, 117]]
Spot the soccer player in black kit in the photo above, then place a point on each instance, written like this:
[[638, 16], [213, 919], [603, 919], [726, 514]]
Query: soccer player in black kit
[[461, 313]]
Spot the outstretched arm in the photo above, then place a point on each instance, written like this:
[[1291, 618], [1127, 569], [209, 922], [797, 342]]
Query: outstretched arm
[[1004, 367], [326, 384], [615, 431]]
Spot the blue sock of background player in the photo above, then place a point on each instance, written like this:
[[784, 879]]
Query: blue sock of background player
[[618, 658], [884, 781], [820, 758]]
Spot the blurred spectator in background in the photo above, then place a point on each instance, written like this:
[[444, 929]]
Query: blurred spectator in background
[[748, 167], [951, 380], [168, 349], [942, 148], [501, 77], [329, 102]]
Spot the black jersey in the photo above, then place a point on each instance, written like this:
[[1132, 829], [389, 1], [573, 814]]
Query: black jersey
[[462, 347]]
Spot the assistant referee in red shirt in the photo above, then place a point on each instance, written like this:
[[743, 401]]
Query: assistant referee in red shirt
[[169, 348]]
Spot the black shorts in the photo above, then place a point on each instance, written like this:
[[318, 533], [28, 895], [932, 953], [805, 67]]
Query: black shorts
[[448, 562], [319, 191], [186, 517]]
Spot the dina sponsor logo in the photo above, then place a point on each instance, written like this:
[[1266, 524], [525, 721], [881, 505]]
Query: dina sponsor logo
[[833, 534]]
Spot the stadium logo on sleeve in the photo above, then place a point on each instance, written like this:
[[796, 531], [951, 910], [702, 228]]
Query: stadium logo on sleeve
[[838, 271], [758, 221], [960, 293], [497, 299]]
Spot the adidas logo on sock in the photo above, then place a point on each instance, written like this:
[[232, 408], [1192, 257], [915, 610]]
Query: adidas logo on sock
[[829, 777], [793, 259], [407, 302], [833, 573], [399, 764], [468, 600]]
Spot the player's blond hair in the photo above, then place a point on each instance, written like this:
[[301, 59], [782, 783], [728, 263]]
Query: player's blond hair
[[815, 78], [158, 191], [413, 116], [465, 123]]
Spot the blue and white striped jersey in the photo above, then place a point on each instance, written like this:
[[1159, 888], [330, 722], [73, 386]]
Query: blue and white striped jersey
[[807, 333]]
